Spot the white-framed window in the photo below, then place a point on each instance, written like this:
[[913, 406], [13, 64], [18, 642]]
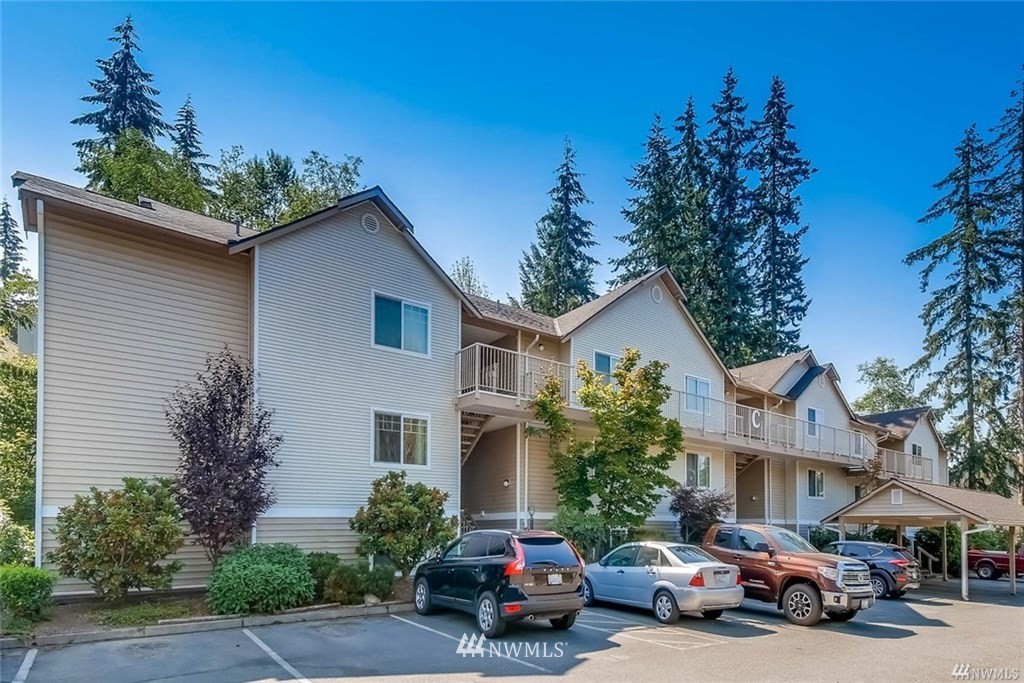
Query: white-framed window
[[401, 439], [698, 470], [400, 325], [815, 484], [915, 449], [815, 417], [698, 393], [859, 443], [604, 363]]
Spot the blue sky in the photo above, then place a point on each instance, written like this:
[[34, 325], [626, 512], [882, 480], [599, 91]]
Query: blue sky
[[459, 110]]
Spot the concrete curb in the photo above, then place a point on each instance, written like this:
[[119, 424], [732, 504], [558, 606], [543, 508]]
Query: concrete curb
[[200, 624]]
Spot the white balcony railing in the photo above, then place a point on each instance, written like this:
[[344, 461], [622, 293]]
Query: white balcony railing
[[487, 369]]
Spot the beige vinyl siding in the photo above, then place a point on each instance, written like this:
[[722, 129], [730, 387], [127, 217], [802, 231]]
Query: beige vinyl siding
[[913, 504], [923, 434], [751, 484], [777, 511], [839, 491], [321, 375], [492, 461], [541, 493], [677, 470], [329, 534]]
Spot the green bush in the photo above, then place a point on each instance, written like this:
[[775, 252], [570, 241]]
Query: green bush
[[25, 592], [261, 578], [17, 542], [586, 531], [320, 566], [349, 583], [930, 539], [119, 539]]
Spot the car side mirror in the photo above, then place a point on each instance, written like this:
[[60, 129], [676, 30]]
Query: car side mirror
[[764, 548], [602, 562], [436, 558]]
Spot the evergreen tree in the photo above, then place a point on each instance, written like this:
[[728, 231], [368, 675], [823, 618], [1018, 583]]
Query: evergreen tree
[[12, 247], [557, 273], [185, 135], [776, 261], [123, 93], [655, 239], [732, 330], [958, 319]]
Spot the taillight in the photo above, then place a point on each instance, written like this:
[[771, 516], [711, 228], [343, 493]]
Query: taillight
[[697, 581], [516, 566], [738, 579], [899, 563]]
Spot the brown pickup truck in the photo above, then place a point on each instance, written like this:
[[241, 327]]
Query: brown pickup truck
[[778, 566]]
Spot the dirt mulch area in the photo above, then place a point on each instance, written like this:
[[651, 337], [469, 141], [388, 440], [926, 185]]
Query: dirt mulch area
[[402, 591], [88, 616]]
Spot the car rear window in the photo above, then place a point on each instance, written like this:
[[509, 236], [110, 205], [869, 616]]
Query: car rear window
[[904, 553], [548, 550], [689, 554]]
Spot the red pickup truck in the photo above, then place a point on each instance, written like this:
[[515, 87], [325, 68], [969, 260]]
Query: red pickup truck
[[991, 564]]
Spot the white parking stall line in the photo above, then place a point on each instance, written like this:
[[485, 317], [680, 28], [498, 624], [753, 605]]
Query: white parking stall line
[[26, 666], [458, 640], [608, 619], [276, 657], [632, 635]]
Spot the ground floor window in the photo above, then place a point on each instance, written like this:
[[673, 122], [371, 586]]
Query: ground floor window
[[815, 484], [698, 470], [400, 439]]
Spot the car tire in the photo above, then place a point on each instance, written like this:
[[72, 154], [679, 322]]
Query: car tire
[[421, 597], [881, 586], [711, 613], [801, 604], [564, 623], [841, 616], [898, 594], [665, 609], [488, 616], [588, 593], [986, 571]]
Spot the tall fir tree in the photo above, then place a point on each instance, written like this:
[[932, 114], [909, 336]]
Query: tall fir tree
[[12, 247], [557, 273], [655, 239], [695, 264], [123, 93], [187, 146], [776, 259], [958, 320], [733, 327]]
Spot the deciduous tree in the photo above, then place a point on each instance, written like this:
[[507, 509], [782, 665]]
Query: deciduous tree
[[18, 432], [465, 275], [889, 387], [697, 509]]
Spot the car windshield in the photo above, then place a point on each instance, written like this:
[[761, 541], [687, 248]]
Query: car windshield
[[688, 554], [550, 550], [790, 542]]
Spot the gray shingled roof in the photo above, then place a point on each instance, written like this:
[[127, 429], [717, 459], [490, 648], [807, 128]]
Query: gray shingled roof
[[898, 422], [990, 507], [510, 315], [766, 374], [161, 215]]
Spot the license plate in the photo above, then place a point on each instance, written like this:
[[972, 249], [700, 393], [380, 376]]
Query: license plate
[[864, 604], [554, 579], [722, 578]]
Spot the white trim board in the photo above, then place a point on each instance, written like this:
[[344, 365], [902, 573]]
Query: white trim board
[[40, 373]]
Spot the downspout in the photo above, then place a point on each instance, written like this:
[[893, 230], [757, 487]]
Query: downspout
[[519, 454], [535, 340], [520, 503], [526, 475]]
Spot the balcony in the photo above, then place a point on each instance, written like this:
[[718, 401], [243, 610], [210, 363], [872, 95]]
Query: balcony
[[498, 381]]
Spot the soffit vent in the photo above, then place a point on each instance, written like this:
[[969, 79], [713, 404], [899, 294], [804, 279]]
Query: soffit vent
[[896, 496], [370, 223]]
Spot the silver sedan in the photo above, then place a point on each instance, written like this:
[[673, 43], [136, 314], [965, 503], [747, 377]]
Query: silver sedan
[[667, 578]]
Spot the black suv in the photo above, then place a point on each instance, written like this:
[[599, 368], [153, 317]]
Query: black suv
[[503, 576], [893, 568]]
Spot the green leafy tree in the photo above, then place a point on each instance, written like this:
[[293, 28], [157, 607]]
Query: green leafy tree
[[958, 321], [776, 261], [321, 184], [403, 520], [557, 273], [697, 509], [187, 143], [12, 247], [135, 167], [889, 387], [17, 542], [655, 238], [733, 327], [123, 93], [18, 433], [18, 297], [465, 275], [624, 468]]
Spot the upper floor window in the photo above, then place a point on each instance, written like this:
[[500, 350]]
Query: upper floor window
[[915, 449], [401, 325], [604, 363], [399, 439], [859, 443], [815, 484], [698, 391], [698, 470], [814, 419]]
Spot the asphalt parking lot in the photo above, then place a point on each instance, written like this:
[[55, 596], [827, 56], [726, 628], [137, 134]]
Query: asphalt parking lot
[[920, 638]]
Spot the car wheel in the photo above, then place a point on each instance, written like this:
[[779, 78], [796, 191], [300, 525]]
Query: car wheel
[[841, 616], [665, 609], [986, 571], [880, 585], [421, 597], [588, 593], [488, 617], [564, 623], [898, 594], [711, 613], [802, 604]]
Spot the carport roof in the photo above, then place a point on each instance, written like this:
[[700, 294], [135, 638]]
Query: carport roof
[[981, 507]]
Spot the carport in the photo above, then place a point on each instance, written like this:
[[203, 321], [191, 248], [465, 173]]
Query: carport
[[898, 503]]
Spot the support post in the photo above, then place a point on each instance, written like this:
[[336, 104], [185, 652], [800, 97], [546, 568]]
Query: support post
[[1013, 560], [964, 589], [842, 528], [945, 554]]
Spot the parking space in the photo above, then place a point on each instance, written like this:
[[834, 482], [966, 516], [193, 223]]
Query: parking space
[[922, 637]]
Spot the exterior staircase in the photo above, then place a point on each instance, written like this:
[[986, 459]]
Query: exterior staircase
[[472, 428], [743, 461]]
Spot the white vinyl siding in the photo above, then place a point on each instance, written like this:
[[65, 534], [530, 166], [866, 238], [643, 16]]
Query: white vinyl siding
[[324, 381], [821, 396]]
